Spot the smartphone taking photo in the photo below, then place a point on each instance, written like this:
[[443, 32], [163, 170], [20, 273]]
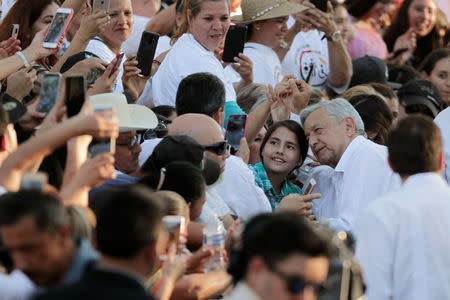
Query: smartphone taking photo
[[175, 226], [236, 127], [14, 30], [49, 91], [119, 58], [320, 4], [100, 5], [146, 52], [58, 27], [310, 187], [99, 146], [75, 94], [234, 42]]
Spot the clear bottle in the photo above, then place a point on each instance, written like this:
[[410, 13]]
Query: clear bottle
[[214, 239]]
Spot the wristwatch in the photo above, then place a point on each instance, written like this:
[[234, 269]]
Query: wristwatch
[[335, 37]]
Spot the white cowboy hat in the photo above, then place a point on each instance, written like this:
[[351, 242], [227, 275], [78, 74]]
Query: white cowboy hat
[[130, 116]]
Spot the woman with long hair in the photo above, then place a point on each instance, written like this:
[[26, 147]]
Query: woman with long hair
[[415, 28]]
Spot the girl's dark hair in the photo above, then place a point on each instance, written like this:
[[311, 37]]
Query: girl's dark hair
[[181, 177], [358, 8], [24, 13], [375, 114], [424, 44], [295, 128], [431, 59]]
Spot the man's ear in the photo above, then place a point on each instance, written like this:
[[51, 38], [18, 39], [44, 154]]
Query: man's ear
[[350, 126]]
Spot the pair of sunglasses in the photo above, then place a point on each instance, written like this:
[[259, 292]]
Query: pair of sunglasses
[[296, 284], [219, 148]]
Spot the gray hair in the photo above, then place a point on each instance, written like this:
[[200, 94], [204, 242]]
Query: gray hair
[[340, 109]]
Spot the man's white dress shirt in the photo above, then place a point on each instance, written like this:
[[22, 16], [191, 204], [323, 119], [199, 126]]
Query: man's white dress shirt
[[402, 241], [361, 175], [442, 120]]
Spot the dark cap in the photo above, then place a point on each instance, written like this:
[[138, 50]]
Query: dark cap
[[14, 108], [421, 92], [369, 69], [182, 148]]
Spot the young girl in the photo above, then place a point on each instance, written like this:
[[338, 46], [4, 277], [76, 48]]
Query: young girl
[[436, 68], [283, 149]]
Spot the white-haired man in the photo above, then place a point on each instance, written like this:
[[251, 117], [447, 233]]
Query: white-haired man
[[358, 170]]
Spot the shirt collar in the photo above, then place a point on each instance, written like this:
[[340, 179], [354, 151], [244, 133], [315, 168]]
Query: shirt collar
[[429, 179], [243, 291], [348, 153]]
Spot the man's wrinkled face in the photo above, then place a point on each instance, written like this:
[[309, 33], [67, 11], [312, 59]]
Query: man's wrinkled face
[[41, 255], [327, 138]]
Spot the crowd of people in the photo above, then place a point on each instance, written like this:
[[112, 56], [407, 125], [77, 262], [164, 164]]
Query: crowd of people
[[338, 188]]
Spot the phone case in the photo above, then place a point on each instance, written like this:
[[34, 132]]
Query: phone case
[[234, 42], [75, 94], [100, 5], [52, 30], [118, 62], [146, 52], [320, 4], [14, 30]]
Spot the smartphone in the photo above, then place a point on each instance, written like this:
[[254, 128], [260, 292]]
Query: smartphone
[[234, 42], [119, 58], [311, 70], [34, 181], [236, 126], [146, 52], [101, 145], [49, 91], [100, 5], [399, 51], [14, 30], [175, 226], [310, 187], [320, 4], [75, 94], [58, 27]]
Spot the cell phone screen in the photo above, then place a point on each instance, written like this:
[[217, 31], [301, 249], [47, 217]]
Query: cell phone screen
[[101, 145], [146, 52], [234, 42], [235, 131], [75, 94], [57, 27], [49, 92]]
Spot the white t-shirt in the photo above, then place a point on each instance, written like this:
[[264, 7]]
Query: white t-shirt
[[99, 48], [131, 45], [266, 64], [186, 57], [309, 48], [16, 286], [6, 6]]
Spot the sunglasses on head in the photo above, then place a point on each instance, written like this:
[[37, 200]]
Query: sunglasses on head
[[295, 284], [218, 148]]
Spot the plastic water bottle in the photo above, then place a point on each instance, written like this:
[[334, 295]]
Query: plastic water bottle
[[213, 239]]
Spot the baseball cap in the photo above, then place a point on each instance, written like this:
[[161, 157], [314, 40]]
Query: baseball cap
[[182, 148], [130, 116], [421, 92], [369, 69]]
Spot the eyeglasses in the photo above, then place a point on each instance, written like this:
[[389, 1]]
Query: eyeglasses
[[219, 148], [157, 132], [132, 142], [295, 284]]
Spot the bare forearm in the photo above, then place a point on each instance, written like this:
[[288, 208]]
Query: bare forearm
[[201, 286], [77, 45], [341, 70], [163, 22], [256, 120]]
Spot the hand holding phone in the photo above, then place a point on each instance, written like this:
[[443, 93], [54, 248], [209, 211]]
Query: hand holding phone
[[99, 146], [236, 127], [58, 27], [146, 52], [234, 42]]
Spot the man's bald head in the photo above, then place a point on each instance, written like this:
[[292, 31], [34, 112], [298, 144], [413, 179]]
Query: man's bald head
[[201, 128]]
